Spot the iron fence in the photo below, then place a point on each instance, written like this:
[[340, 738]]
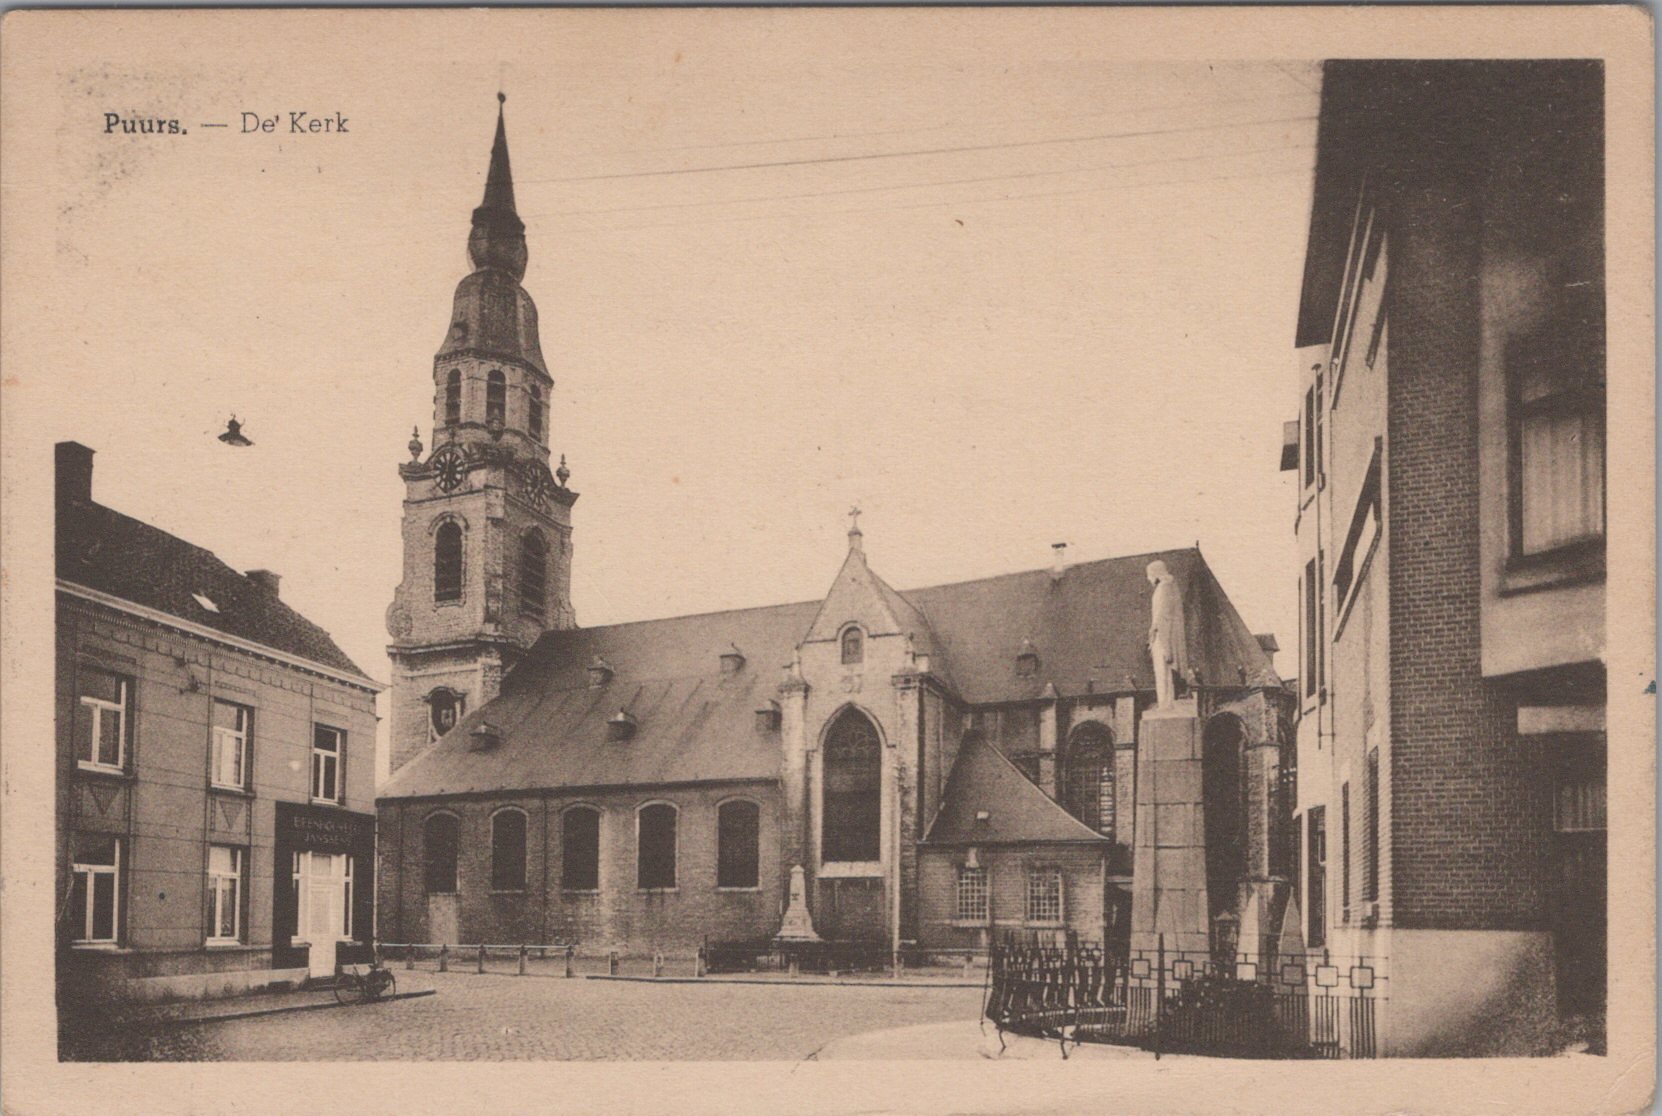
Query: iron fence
[[1248, 1007]]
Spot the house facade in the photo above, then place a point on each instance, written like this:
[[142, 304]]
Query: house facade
[[215, 767], [1450, 521], [650, 786]]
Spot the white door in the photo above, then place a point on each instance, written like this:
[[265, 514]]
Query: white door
[[325, 887]]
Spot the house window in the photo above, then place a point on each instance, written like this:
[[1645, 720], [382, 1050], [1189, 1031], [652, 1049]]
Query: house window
[[1309, 437], [1316, 869], [447, 562], [1090, 778], [445, 709], [854, 646], [326, 763], [440, 845], [536, 412], [95, 900], [972, 894], [508, 850], [1344, 849], [1044, 895], [1370, 830], [580, 840], [533, 574], [496, 398], [232, 730], [1312, 629], [737, 843], [1359, 540], [1556, 382], [453, 397], [852, 796], [225, 867], [101, 719], [655, 847]]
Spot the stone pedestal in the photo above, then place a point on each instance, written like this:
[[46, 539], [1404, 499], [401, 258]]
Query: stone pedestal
[[798, 925], [1168, 886]]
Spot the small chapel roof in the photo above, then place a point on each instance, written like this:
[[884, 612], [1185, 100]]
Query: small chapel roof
[[988, 801]]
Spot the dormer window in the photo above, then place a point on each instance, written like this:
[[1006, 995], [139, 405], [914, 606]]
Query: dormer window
[[1027, 659], [496, 398], [768, 717], [483, 737], [732, 660], [600, 671], [621, 726], [206, 602], [853, 646]]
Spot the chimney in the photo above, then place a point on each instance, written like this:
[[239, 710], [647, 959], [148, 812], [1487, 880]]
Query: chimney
[[1059, 563], [74, 472], [266, 580]]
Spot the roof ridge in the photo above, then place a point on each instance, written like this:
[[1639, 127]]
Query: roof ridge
[[685, 616], [1046, 570]]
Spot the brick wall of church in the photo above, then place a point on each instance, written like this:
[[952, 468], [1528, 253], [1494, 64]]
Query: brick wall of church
[[619, 916]]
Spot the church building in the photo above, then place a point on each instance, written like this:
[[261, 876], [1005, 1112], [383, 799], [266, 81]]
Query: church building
[[934, 765]]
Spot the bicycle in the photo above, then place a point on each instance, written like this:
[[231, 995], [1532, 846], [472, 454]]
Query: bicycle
[[356, 985]]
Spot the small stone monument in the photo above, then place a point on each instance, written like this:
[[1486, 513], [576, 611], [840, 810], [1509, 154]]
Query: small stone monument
[[1168, 641], [798, 925]]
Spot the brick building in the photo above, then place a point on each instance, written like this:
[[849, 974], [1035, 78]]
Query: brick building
[[215, 760], [1450, 521], [940, 762]]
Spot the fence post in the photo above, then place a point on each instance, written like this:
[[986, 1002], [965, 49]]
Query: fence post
[[523, 954], [611, 963], [1159, 991], [481, 957], [409, 956], [657, 964], [794, 968], [571, 953], [969, 958], [444, 958], [701, 966]]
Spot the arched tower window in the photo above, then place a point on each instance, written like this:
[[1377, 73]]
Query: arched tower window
[[854, 645], [445, 708], [580, 845], [453, 397], [447, 562], [1089, 778], [536, 413], [508, 850], [853, 782], [440, 842], [496, 398], [533, 574], [737, 830]]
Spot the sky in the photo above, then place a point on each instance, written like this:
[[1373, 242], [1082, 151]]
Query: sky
[[999, 288]]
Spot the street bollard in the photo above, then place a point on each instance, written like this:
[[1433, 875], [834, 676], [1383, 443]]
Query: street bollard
[[409, 957], [481, 962], [523, 954], [700, 966], [611, 963], [657, 964], [894, 969], [794, 966], [444, 958], [571, 954], [969, 960]]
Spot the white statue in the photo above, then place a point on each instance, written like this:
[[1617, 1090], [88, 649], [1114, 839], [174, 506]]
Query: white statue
[[1168, 642]]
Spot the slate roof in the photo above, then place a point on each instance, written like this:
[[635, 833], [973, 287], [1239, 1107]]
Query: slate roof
[[694, 722], [101, 549], [1018, 811], [697, 724]]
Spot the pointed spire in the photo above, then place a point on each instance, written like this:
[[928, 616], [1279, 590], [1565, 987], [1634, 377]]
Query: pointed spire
[[498, 236]]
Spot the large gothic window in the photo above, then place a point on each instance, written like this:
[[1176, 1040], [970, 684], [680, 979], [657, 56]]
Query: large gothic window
[[853, 781], [854, 646], [453, 397], [447, 562], [533, 574], [1089, 778], [496, 398], [440, 843]]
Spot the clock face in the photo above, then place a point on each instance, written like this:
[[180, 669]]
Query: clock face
[[537, 484], [449, 469]]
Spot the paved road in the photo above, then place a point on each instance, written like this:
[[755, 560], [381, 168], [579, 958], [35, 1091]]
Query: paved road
[[504, 1018]]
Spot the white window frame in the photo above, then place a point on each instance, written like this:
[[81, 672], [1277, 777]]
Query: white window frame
[[982, 911], [84, 875], [99, 709], [1034, 875], [321, 763], [235, 739], [225, 887]]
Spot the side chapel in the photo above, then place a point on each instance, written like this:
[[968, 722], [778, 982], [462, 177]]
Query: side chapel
[[941, 764]]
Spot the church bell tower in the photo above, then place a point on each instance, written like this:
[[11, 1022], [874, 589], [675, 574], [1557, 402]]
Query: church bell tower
[[487, 524]]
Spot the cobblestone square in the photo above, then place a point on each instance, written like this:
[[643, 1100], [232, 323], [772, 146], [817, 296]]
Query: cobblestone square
[[504, 1018]]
